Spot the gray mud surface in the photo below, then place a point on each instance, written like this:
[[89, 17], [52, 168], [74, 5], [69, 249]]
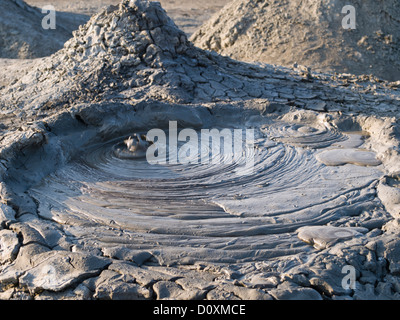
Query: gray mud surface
[[79, 222]]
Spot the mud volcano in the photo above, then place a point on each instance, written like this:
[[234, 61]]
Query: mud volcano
[[308, 33], [78, 221]]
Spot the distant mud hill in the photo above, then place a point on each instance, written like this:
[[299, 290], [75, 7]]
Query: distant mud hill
[[309, 33], [22, 35], [79, 221]]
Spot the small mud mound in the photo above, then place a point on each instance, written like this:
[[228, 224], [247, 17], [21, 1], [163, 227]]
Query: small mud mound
[[309, 33], [77, 212], [22, 35]]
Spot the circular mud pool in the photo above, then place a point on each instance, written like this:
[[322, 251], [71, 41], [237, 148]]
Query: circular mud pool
[[234, 197]]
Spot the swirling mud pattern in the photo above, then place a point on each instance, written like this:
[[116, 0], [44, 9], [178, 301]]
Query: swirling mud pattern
[[216, 211]]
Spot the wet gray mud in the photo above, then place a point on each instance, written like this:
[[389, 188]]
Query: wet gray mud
[[78, 221]]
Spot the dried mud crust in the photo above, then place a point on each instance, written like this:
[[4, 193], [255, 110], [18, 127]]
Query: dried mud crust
[[130, 68], [308, 33]]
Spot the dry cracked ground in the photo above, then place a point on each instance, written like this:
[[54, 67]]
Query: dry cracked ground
[[77, 222]]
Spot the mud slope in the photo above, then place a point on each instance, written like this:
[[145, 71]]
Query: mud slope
[[309, 33]]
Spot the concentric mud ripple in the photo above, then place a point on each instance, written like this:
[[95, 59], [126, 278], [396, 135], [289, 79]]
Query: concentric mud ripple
[[216, 211]]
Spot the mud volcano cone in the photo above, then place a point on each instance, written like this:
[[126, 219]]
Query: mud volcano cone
[[131, 46], [309, 33], [22, 35]]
